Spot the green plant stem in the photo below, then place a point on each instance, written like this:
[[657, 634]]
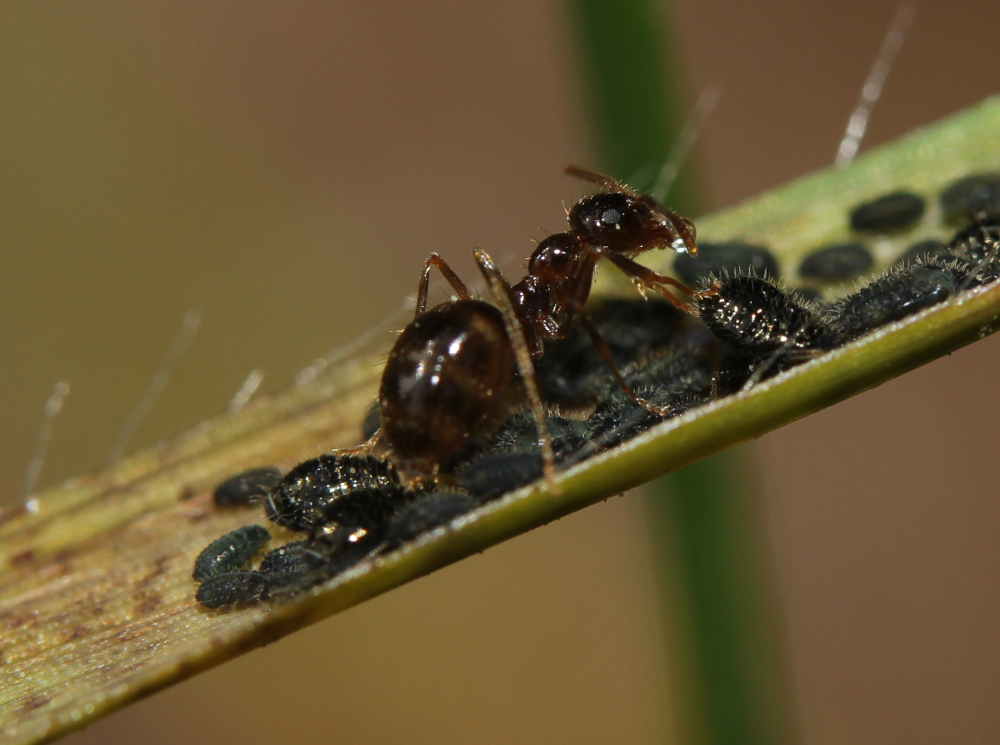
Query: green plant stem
[[717, 576]]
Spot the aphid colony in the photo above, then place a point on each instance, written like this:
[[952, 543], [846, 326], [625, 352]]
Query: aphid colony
[[468, 382]]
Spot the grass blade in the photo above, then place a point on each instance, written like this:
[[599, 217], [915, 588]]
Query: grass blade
[[98, 605]]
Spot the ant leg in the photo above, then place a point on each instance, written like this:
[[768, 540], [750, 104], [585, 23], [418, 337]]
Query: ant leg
[[647, 278], [364, 447], [602, 349], [500, 291], [605, 182], [449, 274]]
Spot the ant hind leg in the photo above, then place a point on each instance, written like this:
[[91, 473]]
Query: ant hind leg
[[602, 349], [454, 280], [500, 291]]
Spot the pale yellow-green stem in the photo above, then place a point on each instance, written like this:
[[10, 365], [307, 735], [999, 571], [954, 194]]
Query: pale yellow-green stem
[[96, 600]]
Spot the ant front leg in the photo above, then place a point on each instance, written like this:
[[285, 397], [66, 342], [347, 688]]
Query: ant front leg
[[500, 290], [646, 278], [449, 274]]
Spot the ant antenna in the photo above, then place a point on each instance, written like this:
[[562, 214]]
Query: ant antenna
[[686, 138], [53, 405], [605, 182], [246, 391], [872, 89], [192, 321]]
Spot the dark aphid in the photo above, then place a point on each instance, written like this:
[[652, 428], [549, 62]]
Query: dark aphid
[[358, 493], [972, 196], [635, 326], [498, 472], [619, 418], [426, 513], [978, 244], [756, 319], [836, 263], [293, 560], [924, 251], [246, 487], [303, 564], [896, 211], [687, 366], [901, 293], [233, 588], [520, 432], [733, 257], [571, 368], [512, 459], [231, 551], [675, 380]]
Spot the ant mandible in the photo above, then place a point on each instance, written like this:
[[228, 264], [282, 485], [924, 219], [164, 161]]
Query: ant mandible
[[450, 365]]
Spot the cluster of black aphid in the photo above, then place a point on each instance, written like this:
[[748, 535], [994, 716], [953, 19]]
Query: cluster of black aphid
[[349, 508], [743, 327]]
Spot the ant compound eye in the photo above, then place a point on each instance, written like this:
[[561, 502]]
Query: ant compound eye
[[615, 220]]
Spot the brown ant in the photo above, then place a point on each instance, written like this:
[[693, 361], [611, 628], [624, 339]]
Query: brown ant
[[450, 365]]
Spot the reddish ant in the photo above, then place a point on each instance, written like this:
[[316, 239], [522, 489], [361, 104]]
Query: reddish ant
[[451, 364]]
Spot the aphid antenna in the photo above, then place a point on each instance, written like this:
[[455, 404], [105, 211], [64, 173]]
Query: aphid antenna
[[500, 291], [53, 405], [189, 327], [857, 123], [683, 144], [246, 391]]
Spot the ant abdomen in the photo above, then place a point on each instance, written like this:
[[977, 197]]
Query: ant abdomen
[[440, 383]]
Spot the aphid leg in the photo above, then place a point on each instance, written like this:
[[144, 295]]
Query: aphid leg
[[602, 349], [605, 182], [645, 277], [449, 274], [500, 291], [787, 351]]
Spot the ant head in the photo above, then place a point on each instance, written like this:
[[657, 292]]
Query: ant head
[[628, 224]]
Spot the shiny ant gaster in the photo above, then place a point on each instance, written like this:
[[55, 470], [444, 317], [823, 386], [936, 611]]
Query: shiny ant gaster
[[450, 365]]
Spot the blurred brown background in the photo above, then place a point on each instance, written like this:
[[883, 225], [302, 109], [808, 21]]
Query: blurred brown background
[[286, 167]]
